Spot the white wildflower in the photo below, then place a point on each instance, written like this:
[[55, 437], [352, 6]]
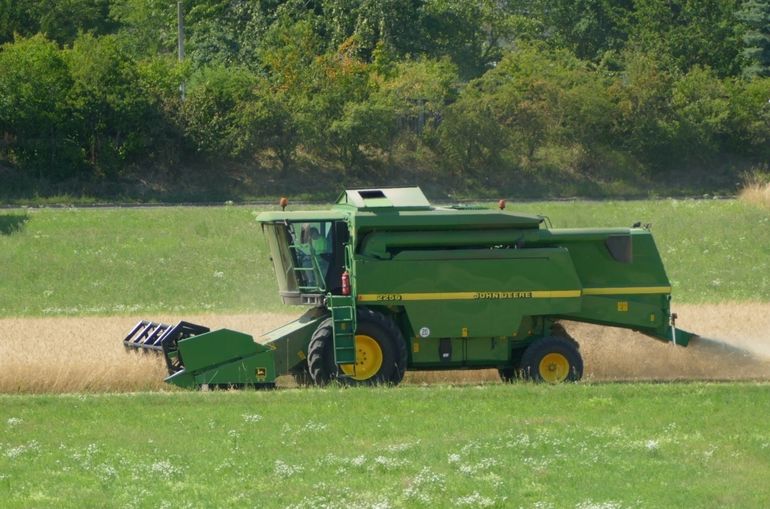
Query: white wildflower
[[313, 426], [164, 469], [106, 472], [422, 484], [13, 421], [285, 470], [252, 417], [401, 447], [589, 504], [389, 463], [475, 500], [15, 452]]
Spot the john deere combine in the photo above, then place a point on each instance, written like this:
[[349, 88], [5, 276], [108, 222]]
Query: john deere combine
[[394, 283]]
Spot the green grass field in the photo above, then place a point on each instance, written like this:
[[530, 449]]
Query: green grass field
[[575, 446], [71, 262]]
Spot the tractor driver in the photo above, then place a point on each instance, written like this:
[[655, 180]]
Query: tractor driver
[[320, 246], [316, 243]]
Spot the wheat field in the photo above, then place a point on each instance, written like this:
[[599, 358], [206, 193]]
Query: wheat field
[[61, 355]]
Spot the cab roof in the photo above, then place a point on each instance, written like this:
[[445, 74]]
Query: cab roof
[[404, 198]]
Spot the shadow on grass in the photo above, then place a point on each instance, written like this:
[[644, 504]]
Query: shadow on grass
[[12, 223]]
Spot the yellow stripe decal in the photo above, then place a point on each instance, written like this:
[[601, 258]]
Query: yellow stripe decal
[[536, 294], [634, 290]]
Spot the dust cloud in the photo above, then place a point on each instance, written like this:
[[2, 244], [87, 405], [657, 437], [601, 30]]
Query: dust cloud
[[734, 344]]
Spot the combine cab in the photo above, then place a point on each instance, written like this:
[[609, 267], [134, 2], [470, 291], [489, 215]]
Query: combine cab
[[393, 283]]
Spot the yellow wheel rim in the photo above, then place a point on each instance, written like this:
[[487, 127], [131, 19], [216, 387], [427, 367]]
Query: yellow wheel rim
[[368, 359], [554, 368]]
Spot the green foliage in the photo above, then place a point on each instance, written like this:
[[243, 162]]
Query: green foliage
[[685, 33], [590, 28], [701, 106], [35, 110], [236, 115], [222, 112], [750, 103], [108, 102], [532, 99], [756, 15], [147, 27], [58, 20], [225, 32], [17, 18], [579, 93]]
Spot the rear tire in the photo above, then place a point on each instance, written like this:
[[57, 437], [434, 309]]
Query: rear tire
[[553, 360]]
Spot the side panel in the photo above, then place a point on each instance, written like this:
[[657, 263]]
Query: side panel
[[290, 341], [470, 292], [223, 357], [431, 353], [634, 295]]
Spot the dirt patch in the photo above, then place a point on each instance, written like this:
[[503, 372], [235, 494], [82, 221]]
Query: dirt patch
[[86, 355]]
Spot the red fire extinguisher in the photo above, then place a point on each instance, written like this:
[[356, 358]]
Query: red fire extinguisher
[[345, 283]]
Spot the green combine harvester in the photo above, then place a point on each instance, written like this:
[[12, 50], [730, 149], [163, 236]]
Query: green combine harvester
[[393, 283]]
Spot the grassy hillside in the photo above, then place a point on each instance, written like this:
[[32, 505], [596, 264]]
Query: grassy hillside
[[576, 446], [181, 260]]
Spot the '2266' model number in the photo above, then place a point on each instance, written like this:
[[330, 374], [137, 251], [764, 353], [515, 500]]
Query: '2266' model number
[[389, 296]]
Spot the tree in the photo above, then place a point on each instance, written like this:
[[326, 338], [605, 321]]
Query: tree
[[418, 91], [701, 113], [756, 39], [17, 18], [229, 112], [750, 117], [108, 102], [540, 97], [641, 94], [688, 33], [147, 27], [225, 31], [59, 20], [589, 28], [34, 113]]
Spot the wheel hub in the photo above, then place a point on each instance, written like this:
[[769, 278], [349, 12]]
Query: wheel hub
[[368, 359], [554, 368]]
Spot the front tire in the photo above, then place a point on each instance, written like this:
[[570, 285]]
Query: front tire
[[381, 355], [553, 360]]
